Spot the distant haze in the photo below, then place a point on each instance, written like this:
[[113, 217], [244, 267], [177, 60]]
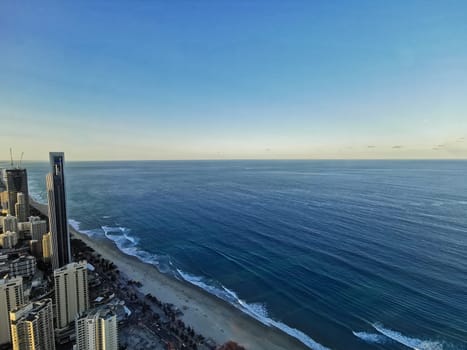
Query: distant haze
[[273, 79]]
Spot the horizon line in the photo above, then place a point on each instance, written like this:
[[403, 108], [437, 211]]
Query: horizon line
[[7, 162]]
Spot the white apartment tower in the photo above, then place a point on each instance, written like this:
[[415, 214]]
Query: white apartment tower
[[20, 207], [97, 330], [11, 296], [10, 223], [8, 240], [71, 292], [32, 326]]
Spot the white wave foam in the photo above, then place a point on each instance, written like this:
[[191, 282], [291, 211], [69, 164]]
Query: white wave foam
[[256, 310], [73, 223], [371, 337], [128, 245], [413, 343], [120, 235], [76, 225]]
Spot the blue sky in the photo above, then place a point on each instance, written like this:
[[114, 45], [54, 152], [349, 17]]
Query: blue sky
[[234, 79]]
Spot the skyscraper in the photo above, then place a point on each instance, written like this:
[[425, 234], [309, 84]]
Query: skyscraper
[[97, 330], [61, 253], [32, 326], [71, 292], [17, 181]]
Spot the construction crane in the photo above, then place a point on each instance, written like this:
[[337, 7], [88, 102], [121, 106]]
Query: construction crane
[[11, 157], [21, 159]]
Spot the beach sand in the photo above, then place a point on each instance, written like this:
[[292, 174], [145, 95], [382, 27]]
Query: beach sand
[[207, 314]]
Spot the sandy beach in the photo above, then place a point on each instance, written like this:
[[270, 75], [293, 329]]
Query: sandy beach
[[207, 314]]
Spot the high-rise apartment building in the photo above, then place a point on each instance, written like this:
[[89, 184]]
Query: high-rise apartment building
[[20, 207], [11, 297], [17, 181], [10, 223], [38, 227], [61, 252], [8, 240], [47, 247], [32, 326], [71, 292], [97, 329]]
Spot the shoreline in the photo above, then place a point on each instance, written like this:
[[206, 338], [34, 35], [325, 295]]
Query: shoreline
[[204, 312]]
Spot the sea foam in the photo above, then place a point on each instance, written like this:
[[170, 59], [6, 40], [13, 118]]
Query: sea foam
[[371, 337], [413, 343], [255, 310], [128, 244]]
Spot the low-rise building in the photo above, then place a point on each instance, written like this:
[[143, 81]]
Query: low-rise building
[[24, 266]]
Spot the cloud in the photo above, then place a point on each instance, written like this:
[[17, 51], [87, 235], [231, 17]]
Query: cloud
[[397, 147], [460, 139], [371, 146]]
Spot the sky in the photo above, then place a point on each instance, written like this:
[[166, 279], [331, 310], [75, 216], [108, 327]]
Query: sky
[[123, 80]]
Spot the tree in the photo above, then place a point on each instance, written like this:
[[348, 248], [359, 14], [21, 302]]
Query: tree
[[231, 345]]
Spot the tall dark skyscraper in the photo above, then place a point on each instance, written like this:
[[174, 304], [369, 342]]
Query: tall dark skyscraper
[[61, 253], [16, 182]]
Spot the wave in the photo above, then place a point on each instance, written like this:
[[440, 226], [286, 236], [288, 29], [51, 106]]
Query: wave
[[371, 337], [128, 244], [413, 343], [76, 225], [255, 310]]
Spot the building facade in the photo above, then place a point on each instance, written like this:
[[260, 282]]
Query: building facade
[[11, 297], [32, 326], [61, 252], [97, 330], [71, 292]]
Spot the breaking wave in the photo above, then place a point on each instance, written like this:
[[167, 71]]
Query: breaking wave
[[413, 343], [128, 244], [255, 310], [371, 337]]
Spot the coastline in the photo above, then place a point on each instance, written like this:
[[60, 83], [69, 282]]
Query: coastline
[[207, 314]]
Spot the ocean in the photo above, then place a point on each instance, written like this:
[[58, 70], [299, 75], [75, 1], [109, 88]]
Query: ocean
[[340, 254]]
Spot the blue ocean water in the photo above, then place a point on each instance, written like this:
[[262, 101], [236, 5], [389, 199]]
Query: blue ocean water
[[340, 254]]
